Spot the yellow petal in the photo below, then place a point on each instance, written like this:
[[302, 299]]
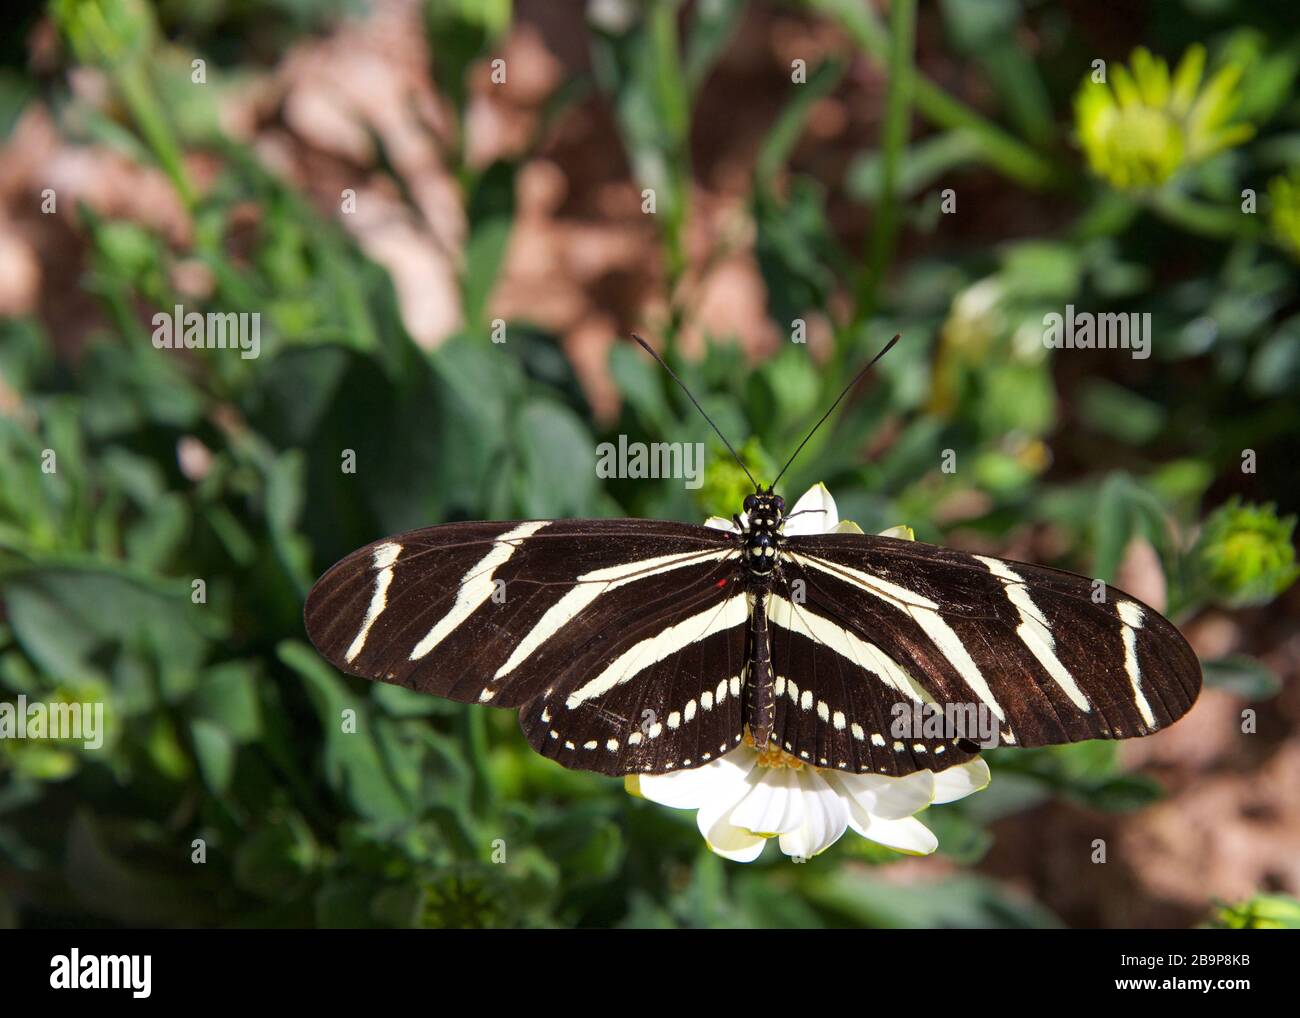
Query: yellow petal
[[1126, 90], [1152, 76], [1187, 79]]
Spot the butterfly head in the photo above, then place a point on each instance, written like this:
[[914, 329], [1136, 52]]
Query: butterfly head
[[764, 510]]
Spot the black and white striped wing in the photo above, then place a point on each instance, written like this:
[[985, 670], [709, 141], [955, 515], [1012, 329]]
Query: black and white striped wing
[[862, 623], [662, 694], [622, 640]]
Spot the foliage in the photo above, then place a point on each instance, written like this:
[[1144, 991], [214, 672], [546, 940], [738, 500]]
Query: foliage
[[321, 799], [1263, 912]]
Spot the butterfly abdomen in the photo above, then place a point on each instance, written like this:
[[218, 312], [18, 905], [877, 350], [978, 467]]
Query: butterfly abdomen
[[760, 707]]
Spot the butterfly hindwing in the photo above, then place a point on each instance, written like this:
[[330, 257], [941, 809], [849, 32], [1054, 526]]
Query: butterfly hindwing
[[622, 708], [836, 689]]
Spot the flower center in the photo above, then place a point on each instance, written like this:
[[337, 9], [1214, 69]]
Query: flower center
[[774, 755], [1147, 142]]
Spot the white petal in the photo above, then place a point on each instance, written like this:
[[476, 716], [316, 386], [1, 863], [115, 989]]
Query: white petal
[[734, 843], [960, 781], [718, 523], [888, 797], [848, 527], [820, 517], [722, 836], [902, 532], [774, 803], [908, 835], [826, 817], [691, 789]]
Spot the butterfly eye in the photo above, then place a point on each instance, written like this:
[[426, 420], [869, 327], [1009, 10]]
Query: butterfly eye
[[780, 504], [750, 502]]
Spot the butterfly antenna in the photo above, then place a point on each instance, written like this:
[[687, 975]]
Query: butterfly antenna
[[664, 364], [847, 389]]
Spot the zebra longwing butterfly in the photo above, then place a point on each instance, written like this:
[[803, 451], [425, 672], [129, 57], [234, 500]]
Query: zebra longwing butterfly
[[637, 646]]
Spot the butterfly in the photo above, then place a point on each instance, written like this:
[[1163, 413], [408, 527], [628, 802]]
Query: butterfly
[[639, 646]]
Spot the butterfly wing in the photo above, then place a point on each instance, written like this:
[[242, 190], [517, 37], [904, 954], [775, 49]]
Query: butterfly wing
[[861, 624], [590, 623], [661, 693]]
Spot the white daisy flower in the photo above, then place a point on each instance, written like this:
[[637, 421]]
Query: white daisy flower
[[745, 797]]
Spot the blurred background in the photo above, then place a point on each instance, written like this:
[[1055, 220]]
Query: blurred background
[[769, 191]]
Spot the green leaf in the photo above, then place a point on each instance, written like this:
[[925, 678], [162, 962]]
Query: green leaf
[[400, 702], [464, 31], [1243, 676], [66, 618], [275, 861], [1044, 271], [923, 163], [1262, 912], [1016, 396], [788, 388], [491, 215], [712, 25], [353, 764], [559, 461], [110, 873], [796, 252], [227, 697], [215, 753], [1121, 413], [1113, 527], [1121, 794], [15, 91], [154, 540], [640, 381], [129, 387], [962, 902]]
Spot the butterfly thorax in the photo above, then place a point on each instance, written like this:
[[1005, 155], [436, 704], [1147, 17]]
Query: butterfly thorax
[[764, 514]]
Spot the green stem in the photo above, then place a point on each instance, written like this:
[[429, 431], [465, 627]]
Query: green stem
[[793, 121], [898, 113], [1006, 154], [1194, 217], [1107, 215], [474, 729], [136, 89], [674, 106]]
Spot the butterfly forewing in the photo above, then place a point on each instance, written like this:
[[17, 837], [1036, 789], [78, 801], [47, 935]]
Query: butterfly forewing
[[597, 622]]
